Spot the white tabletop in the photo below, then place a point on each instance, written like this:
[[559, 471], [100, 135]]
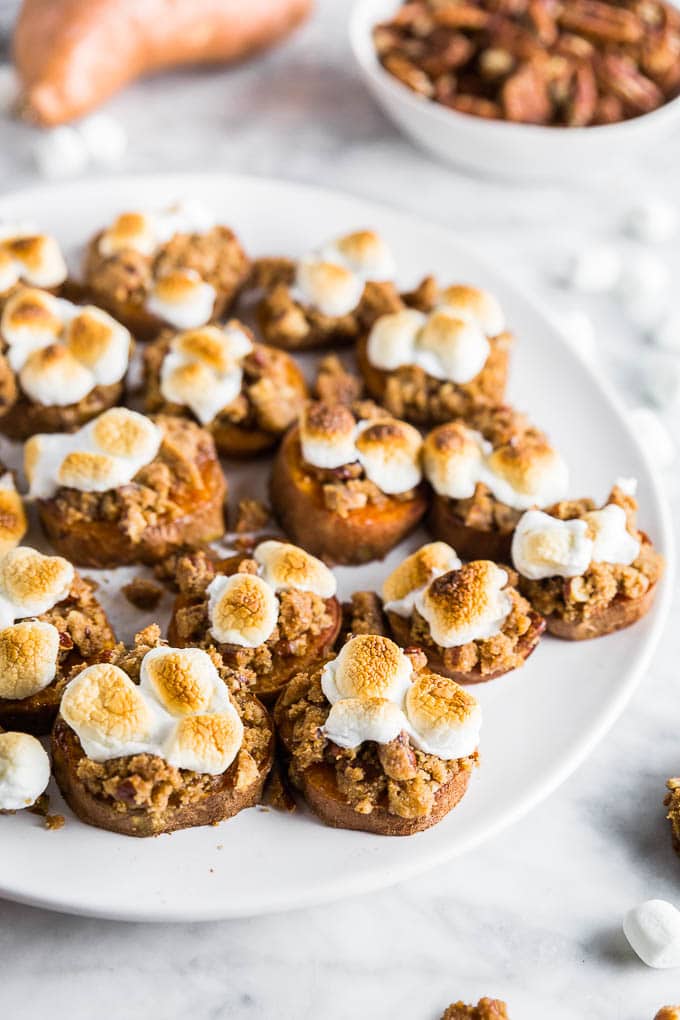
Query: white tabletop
[[536, 917]]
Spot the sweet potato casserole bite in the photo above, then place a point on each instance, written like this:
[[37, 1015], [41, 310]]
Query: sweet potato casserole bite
[[375, 741], [346, 482], [245, 393], [61, 364], [485, 474], [268, 615], [50, 623], [154, 739], [571, 64], [173, 267], [440, 356], [328, 296], [588, 571], [126, 489], [468, 619]]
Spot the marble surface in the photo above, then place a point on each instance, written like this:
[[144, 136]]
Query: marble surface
[[534, 916]]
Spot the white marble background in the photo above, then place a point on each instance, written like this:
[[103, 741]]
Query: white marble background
[[533, 917]]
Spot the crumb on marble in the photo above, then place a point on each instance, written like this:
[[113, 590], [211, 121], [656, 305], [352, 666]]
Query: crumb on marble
[[143, 593], [486, 1009]]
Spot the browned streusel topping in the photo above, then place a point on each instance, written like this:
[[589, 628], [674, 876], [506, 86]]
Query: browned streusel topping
[[486, 1009], [303, 616], [363, 614], [672, 802], [577, 598], [395, 777], [334, 384], [158, 492], [143, 593], [148, 782], [503, 651], [288, 323], [127, 276], [251, 516]]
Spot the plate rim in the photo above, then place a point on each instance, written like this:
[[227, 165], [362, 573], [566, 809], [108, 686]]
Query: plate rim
[[348, 885]]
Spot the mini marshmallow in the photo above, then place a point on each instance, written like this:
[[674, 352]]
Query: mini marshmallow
[[444, 719], [403, 586], [594, 269], [105, 138], [389, 452], [13, 523], [24, 771], [366, 253], [130, 231], [202, 369], [182, 298], [285, 566], [31, 319], [327, 433], [352, 721], [31, 583], [108, 713], [468, 604], [543, 546], [368, 666], [36, 259], [392, 340], [243, 610], [99, 342], [653, 221], [29, 652], [612, 542], [653, 931], [205, 743], [104, 454], [60, 152], [453, 459], [184, 681], [52, 376], [655, 438], [452, 348], [480, 306], [333, 289]]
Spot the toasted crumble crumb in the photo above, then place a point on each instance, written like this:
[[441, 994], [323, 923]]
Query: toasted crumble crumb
[[251, 515], [143, 593], [486, 1009]]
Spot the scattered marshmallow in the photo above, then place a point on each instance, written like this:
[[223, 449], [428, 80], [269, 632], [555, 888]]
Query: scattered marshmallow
[[653, 221], [595, 269], [659, 374], [653, 436], [653, 931], [60, 152], [105, 138]]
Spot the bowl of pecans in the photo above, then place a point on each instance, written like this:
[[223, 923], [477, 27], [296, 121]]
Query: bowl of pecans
[[527, 89]]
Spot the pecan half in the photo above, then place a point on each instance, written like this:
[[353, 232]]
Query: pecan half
[[601, 21]]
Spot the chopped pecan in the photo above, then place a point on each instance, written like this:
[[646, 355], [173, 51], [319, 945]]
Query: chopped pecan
[[582, 101], [526, 96], [477, 106], [601, 21], [455, 14], [620, 76], [409, 73]]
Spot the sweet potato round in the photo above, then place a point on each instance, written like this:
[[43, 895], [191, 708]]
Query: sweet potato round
[[470, 543], [223, 800], [619, 614], [367, 533], [25, 417]]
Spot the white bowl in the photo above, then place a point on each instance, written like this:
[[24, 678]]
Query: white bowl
[[519, 151]]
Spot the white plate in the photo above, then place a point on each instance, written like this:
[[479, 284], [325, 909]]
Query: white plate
[[523, 152], [539, 723]]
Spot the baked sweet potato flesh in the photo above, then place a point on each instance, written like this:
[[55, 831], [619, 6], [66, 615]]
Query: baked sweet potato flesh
[[619, 614], [222, 799], [71, 55], [470, 543], [367, 533]]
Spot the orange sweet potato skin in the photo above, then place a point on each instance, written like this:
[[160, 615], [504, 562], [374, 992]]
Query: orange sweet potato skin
[[71, 55]]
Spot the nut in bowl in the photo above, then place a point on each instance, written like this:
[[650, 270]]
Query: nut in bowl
[[530, 151]]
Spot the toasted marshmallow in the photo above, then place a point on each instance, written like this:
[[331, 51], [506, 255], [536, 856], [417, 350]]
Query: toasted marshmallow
[[99, 343], [52, 376], [30, 320], [202, 369], [468, 604], [205, 743], [188, 216], [243, 610], [37, 258], [543, 546], [453, 459], [109, 713], [389, 452], [612, 542], [285, 566], [451, 348], [184, 681], [24, 771], [8, 271], [478, 305], [366, 253], [182, 298], [28, 658], [444, 719], [333, 289], [102, 455], [405, 583], [392, 340], [31, 583], [352, 721], [521, 475], [327, 434], [130, 231], [13, 523], [368, 666]]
